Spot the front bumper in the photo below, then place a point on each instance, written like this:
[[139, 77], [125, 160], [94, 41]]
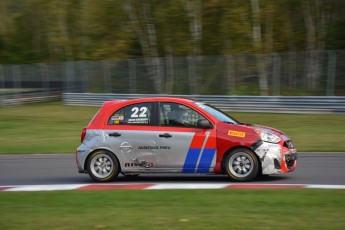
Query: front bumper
[[275, 159]]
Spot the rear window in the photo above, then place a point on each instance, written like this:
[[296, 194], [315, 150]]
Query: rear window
[[136, 114]]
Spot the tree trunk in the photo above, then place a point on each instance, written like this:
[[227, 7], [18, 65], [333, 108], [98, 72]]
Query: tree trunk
[[148, 40], [316, 18], [193, 9], [169, 61], [261, 62]]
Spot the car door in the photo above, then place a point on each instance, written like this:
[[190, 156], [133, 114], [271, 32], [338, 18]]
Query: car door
[[130, 136], [182, 146]]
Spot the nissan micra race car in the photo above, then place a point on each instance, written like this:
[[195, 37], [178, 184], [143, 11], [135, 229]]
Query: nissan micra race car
[[176, 135]]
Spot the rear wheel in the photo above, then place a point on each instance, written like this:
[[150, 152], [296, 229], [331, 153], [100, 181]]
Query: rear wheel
[[241, 165], [103, 166]]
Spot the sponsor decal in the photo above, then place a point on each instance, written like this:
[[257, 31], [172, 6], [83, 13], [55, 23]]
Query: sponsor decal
[[144, 164], [139, 112], [138, 121], [117, 117], [236, 133], [125, 147], [155, 147]]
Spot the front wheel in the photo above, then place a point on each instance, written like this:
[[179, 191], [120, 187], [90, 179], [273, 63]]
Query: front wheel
[[241, 165], [103, 166]]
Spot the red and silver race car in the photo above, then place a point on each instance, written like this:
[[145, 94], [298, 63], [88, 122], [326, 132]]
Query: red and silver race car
[[176, 135]]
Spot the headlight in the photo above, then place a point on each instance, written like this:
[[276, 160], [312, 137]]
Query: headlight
[[267, 136]]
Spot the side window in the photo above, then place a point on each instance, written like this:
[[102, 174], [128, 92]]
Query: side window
[[117, 118], [173, 114], [137, 114]]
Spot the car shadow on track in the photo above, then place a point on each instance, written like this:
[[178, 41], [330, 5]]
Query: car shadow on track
[[189, 179]]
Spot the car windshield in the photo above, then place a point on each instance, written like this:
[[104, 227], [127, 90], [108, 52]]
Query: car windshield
[[220, 115]]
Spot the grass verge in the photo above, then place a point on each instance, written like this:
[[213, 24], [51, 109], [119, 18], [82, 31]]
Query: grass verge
[[174, 209], [55, 128]]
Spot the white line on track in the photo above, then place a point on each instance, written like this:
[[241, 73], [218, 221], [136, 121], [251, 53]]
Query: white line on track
[[188, 186], [163, 186]]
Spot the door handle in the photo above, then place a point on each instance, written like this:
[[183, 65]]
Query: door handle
[[114, 134], [165, 135]]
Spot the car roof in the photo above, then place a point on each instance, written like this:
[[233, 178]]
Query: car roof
[[148, 99], [110, 106]]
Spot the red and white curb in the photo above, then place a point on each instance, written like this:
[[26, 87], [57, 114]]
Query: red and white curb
[[163, 186]]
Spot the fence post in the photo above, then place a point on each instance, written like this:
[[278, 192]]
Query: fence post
[[84, 77], [192, 75], [169, 83], [67, 84], [230, 75], [2, 78], [2, 86], [17, 82], [276, 74], [332, 60], [132, 76], [106, 76], [44, 76]]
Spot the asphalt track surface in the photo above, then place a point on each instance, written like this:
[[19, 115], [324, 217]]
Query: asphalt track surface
[[48, 169]]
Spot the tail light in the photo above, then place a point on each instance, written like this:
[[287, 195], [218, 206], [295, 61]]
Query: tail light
[[83, 133]]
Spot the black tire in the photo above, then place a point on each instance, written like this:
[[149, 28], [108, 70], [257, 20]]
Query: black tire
[[241, 165], [103, 166]]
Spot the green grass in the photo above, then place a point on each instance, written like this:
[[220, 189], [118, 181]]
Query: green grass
[[55, 128], [43, 128], [309, 132], [174, 209]]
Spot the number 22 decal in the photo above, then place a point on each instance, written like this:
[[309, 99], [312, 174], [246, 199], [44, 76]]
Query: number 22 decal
[[143, 111]]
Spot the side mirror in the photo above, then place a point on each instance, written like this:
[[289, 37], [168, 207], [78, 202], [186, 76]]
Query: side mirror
[[204, 124]]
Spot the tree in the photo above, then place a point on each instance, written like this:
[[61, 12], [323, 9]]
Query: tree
[[316, 19], [141, 21]]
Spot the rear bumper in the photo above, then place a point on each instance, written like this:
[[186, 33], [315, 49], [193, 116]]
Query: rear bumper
[[81, 171], [81, 155]]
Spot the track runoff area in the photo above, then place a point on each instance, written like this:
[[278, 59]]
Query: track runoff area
[[162, 186]]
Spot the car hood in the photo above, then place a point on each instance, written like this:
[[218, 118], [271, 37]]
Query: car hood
[[269, 129]]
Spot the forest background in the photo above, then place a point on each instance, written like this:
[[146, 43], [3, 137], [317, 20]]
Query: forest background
[[51, 31]]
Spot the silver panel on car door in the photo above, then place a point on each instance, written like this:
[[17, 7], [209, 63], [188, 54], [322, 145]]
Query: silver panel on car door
[[136, 148], [172, 148]]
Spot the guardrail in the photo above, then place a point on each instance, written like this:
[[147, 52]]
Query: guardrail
[[271, 104], [15, 99]]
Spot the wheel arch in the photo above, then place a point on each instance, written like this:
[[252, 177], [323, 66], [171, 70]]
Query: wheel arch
[[223, 170], [101, 149]]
